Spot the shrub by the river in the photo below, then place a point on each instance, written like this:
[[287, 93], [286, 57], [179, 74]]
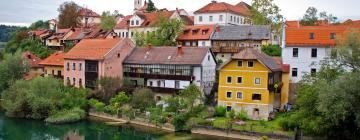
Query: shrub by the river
[[66, 116], [220, 111]]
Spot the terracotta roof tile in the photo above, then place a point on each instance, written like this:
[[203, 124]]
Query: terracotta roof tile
[[88, 12], [197, 32], [55, 59], [92, 49], [32, 59], [167, 55], [215, 7]]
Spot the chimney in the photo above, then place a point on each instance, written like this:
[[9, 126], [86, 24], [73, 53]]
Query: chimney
[[217, 29], [180, 50]]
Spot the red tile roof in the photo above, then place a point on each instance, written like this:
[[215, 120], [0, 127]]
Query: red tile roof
[[56, 59], [215, 7], [124, 23], [32, 59], [300, 36], [197, 32], [92, 49], [38, 32], [167, 55], [293, 23], [60, 33], [88, 12]]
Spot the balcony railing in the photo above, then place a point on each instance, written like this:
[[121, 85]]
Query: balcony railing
[[159, 76], [164, 90]]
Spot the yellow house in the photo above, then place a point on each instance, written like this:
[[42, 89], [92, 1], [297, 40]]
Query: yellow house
[[54, 65], [253, 82]]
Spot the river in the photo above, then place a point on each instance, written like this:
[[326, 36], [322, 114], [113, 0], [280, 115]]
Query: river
[[93, 129]]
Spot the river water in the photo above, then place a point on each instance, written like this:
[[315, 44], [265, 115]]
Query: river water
[[21, 129]]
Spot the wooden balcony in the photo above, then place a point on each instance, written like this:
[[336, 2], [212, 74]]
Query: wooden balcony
[[164, 90], [159, 76]]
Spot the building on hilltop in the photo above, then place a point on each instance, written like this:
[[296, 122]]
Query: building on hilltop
[[92, 59], [168, 69], [254, 83], [222, 13]]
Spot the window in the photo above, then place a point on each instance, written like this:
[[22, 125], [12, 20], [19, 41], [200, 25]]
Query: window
[[74, 81], [230, 18], [118, 55], [159, 83], [80, 66], [80, 82], [313, 72], [228, 94], [132, 22], [132, 34], [208, 57], [228, 79], [239, 63], [150, 83], [53, 72], [256, 96], [239, 80], [228, 108], [67, 80], [210, 18], [200, 19], [312, 36], [177, 84], [203, 43], [332, 35], [257, 81], [220, 17], [250, 63], [295, 52], [314, 53], [239, 95], [74, 66], [238, 20], [45, 71], [294, 72], [68, 66], [137, 22]]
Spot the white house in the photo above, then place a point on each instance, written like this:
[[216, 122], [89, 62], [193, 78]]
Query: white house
[[170, 69], [89, 17], [222, 13]]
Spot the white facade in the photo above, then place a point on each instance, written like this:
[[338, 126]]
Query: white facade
[[223, 18], [304, 62], [198, 43], [91, 20]]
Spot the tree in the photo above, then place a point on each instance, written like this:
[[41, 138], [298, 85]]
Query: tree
[[36, 47], [266, 12], [165, 35], [330, 18], [191, 94], [107, 88], [151, 7], [16, 38], [12, 68], [69, 15], [142, 98], [310, 17], [271, 50], [348, 50], [108, 20], [40, 24]]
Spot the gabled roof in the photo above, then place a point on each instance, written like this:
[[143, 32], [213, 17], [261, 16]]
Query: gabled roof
[[167, 55], [92, 49], [197, 32], [88, 13], [55, 59], [124, 23], [60, 33], [242, 32], [32, 59], [254, 54], [215, 7], [300, 36]]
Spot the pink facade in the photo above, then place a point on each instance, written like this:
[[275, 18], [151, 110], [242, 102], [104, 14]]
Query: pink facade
[[76, 74]]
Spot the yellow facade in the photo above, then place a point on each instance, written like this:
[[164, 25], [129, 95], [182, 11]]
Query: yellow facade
[[54, 71], [257, 109]]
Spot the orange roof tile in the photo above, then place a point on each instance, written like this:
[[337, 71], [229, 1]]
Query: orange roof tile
[[32, 59], [300, 36], [92, 49], [197, 32], [293, 23], [215, 7], [56, 59]]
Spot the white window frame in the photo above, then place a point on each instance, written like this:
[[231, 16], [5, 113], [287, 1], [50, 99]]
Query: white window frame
[[242, 95], [259, 80]]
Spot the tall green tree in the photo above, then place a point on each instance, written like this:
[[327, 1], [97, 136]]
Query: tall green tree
[[348, 50], [266, 12], [40, 24], [12, 68], [142, 98], [311, 17], [108, 20], [151, 7], [107, 88], [69, 15]]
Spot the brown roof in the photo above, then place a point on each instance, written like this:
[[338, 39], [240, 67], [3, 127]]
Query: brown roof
[[92, 49], [32, 59], [197, 32], [56, 59], [167, 55], [88, 12], [226, 49], [254, 54], [214, 7], [60, 33]]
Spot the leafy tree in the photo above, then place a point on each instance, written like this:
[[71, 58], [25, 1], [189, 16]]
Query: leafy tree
[[69, 15], [271, 50], [151, 7], [107, 88], [191, 94], [108, 20], [311, 17], [36, 47], [117, 102], [349, 50], [328, 17], [12, 68], [142, 98], [16, 38], [5, 32], [266, 12], [40, 24]]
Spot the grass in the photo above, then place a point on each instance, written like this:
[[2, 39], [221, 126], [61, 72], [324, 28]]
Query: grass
[[260, 126], [66, 116]]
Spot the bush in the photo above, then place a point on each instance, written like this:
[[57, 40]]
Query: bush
[[220, 111], [271, 50], [230, 114], [97, 105], [142, 98], [66, 116], [242, 115]]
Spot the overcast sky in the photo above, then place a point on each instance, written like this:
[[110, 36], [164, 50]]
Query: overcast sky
[[25, 12]]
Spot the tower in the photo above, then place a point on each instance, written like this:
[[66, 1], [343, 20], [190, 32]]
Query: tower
[[138, 4]]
